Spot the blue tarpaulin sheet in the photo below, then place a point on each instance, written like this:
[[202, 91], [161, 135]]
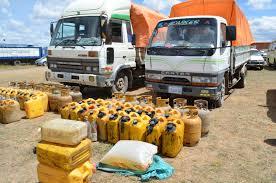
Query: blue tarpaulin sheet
[[159, 169]]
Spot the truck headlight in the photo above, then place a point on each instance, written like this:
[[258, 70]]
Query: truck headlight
[[88, 68], [95, 69], [199, 79], [153, 76], [53, 65]]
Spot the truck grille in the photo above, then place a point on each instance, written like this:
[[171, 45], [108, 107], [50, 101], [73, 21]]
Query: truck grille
[[175, 80], [71, 65]]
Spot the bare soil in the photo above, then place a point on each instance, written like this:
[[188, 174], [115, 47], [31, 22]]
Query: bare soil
[[241, 145]]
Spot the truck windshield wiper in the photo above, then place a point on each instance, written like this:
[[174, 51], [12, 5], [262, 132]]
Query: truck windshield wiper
[[63, 41]]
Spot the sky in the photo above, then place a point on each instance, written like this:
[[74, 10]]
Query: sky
[[27, 21]]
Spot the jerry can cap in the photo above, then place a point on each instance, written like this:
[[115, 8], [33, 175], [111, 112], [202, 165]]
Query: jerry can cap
[[140, 112], [153, 122], [113, 116], [171, 127], [135, 122], [101, 114], [125, 119]]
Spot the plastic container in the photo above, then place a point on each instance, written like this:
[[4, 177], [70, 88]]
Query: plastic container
[[63, 156], [138, 129], [192, 123], [34, 107], [124, 126], [44, 98], [64, 99], [9, 111], [102, 121], [155, 128], [92, 118], [132, 99], [163, 104], [145, 100], [204, 115], [172, 138], [113, 135], [174, 114], [65, 111], [81, 174], [62, 131]]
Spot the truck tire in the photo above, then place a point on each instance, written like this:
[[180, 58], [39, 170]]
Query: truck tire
[[219, 102], [121, 83], [242, 81]]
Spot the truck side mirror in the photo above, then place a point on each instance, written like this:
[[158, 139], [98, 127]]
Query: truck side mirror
[[106, 34], [231, 33], [52, 29], [133, 39]]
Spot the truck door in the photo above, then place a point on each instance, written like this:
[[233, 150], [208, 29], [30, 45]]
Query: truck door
[[123, 50]]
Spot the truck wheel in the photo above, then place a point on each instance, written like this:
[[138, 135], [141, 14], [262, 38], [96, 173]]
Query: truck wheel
[[121, 83], [261, 68], [242, 82], [220, 101]]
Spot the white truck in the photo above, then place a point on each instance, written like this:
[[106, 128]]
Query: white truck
[[198, 56], [93, 44], [271, 55]]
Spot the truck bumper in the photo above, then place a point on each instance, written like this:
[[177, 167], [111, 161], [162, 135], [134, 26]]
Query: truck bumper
[[191, 91], [80, 79]]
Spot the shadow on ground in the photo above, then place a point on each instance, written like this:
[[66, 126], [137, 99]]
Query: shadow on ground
[[271, 104], [271, 142], [270, 68]]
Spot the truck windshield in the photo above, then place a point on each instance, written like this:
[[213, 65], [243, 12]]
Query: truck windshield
[[255, 53], [185, 33], [77, 31]]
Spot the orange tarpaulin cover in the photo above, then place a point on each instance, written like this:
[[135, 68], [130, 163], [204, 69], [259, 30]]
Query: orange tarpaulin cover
[[143, 22], [227, 9]]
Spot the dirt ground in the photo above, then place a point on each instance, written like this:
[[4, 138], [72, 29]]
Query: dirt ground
[[241, 145]]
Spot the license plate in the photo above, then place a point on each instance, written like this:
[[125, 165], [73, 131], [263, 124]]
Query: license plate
[[175, 89]]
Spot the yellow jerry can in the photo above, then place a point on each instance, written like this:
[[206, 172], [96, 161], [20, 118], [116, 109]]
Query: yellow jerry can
[[124, 126], [138, 129], [113, 135], [34, 108], [160, 112], [155, 128], [172, 138], [44, 98], [102, 121], [81, 174], [63, 156], [174, 114], [127, 105], [193, 124], [65, 111]]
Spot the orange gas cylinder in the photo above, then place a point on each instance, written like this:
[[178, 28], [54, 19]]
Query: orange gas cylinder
[[172, 138], [192, 123], [138, 129], [113, 135], [163, 104], [76, 94], [124, 126], [64, 99], [131, 99], [145, 100], [53, 100], [155, 128], [102, 121]]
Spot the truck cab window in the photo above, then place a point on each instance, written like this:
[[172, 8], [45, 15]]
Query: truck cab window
[[223, 35], [129, 32], [116, 28]]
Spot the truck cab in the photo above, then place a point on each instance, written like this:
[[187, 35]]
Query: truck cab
[[193, 56], [271, 55], [93, 45]]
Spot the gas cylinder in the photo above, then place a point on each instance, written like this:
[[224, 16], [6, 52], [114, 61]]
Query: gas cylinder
[[204, 115], [172, 138], [138, 129], [132, 99], [179, 104], [145, 100], [155, 128], [102, 121], [9, 111], [64, 99], [192, 123], [53, 100], [124, 126], [174, 114], [163, 104], [113, 135], [76, 94]]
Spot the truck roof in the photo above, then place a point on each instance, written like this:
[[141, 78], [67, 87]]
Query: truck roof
[[201, 16], [228, 9]]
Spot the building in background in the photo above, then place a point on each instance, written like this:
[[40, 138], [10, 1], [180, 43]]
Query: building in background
[[261, 45]]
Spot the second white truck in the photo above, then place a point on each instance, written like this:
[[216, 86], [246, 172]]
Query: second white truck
[[202, 55]]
